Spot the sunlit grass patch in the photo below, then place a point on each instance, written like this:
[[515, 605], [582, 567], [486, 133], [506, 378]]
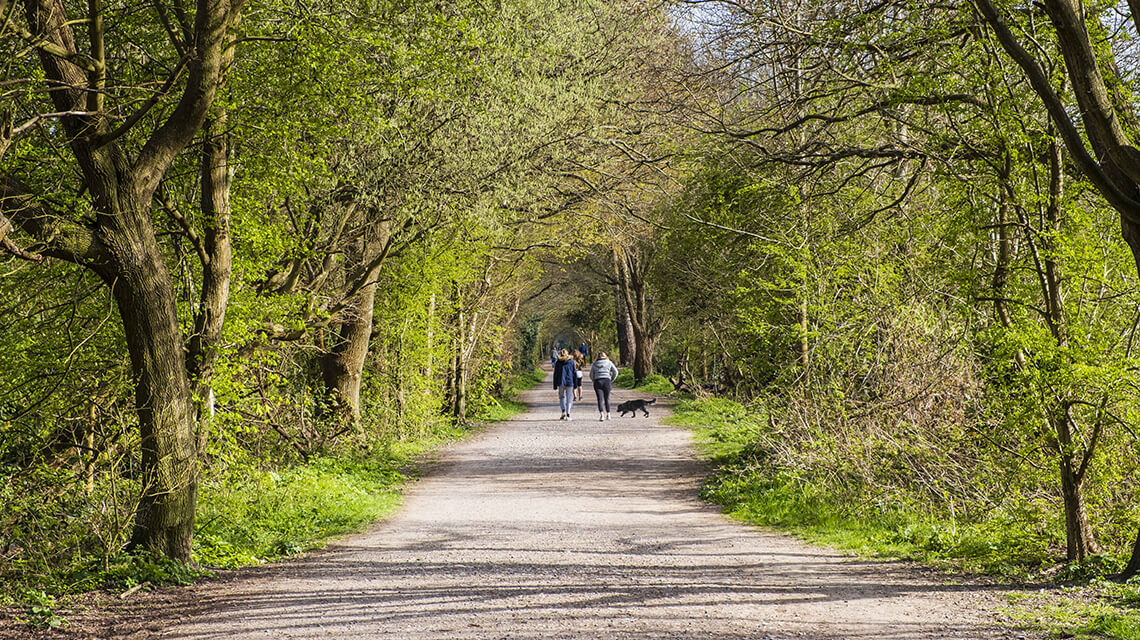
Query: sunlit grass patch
[[1097, 610], [509, 406], [656, 383], [252, 516]]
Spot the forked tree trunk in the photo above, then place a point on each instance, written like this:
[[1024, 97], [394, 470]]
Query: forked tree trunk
[[1079, 541]]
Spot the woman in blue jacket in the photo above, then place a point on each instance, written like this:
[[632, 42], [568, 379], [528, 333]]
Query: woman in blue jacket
[[565, 377]]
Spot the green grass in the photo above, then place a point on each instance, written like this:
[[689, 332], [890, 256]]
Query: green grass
[[749, 484], [655, 383], [1097, 610], [253, 516]]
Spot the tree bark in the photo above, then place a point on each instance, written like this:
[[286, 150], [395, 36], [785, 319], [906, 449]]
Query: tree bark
[[146, 300], [217, 268], [626, 346], [1133, 567], [343, 366], [1079, 541]]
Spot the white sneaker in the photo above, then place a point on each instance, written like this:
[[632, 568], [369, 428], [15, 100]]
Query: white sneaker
[[601, 417], [607, 415], [568, 417]]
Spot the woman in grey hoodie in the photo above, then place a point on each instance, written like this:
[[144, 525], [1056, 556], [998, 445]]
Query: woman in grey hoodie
[[602, 375]]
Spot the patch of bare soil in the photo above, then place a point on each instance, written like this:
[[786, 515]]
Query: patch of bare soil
[[541, 528]]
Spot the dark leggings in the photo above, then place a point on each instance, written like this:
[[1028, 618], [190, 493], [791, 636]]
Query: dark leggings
[[602, 389]]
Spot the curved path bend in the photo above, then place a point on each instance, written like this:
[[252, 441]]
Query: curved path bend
[[546, 529]]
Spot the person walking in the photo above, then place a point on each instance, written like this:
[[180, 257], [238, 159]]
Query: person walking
[[602, 375], [565, 377], [553, 355], [579, 362]]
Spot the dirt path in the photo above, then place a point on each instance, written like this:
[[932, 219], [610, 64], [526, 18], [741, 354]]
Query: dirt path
[[582, 529]]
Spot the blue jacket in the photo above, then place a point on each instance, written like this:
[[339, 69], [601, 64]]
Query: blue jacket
[[565, 373]]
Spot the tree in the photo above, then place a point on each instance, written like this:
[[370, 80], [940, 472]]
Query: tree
[[632, 265], [120, 168]]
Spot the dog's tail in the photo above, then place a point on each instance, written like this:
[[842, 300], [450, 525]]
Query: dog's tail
[[652, 401]]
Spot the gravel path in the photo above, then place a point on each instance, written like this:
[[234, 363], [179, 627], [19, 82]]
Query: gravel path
[[546, 529]]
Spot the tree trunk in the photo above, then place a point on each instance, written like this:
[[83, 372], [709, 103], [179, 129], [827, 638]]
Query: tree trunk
[[626, 346], [632, 270], [1133, 567], [217, 268], [1079, 541], [804, 346], [343, 367], [642, 357], [459, 371], [146, 300]]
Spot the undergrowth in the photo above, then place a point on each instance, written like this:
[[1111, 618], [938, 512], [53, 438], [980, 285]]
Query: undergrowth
[[252, 516], [249, 515], [754, 488], [655, 383], [508, 404]]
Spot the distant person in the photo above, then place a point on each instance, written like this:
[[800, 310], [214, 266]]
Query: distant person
[[579, 362], [585, 350], [602, 374], [553, 355], [565, 378]]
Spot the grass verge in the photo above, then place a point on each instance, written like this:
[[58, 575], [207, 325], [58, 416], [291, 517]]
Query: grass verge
[[750, 486], [253, 516], [262, 515]]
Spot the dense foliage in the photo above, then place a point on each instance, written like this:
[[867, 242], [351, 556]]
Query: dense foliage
[[266, 257], [887, 242], [346, 207]]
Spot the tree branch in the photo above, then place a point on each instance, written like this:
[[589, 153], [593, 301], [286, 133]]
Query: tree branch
[[59, 237], [1122, 202]]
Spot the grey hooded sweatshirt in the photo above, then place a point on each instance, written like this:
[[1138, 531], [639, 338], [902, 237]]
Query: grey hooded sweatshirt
[[603, 369]]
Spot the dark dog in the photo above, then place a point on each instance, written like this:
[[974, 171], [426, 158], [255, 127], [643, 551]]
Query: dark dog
[[631, 407]]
